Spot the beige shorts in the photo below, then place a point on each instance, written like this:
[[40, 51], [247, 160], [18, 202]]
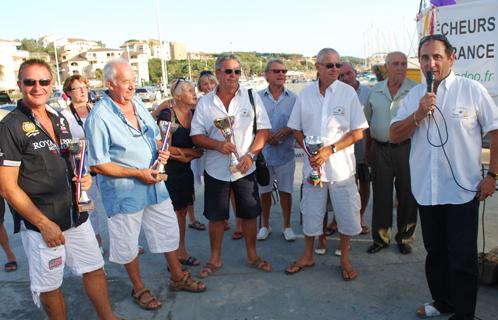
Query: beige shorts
[[160, 227], [284, 175], [345, 200], [46, 265]]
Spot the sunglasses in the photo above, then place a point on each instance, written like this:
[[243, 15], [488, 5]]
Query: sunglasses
[[332, 65], [176, 83], [32, 82], [277, 71], [205, 73], [230, 71]]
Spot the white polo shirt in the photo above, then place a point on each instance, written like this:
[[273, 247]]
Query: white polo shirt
[[211, 107], [330, 117], [470, 113]]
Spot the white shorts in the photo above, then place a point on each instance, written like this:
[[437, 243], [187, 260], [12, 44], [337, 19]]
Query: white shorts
[[46, 265], [160, 227], [94, 215], [284, 175], [345, 200]]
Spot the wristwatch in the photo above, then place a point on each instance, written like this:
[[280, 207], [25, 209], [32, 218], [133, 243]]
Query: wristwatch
[[492, 175], [252, 156], [332, 147]]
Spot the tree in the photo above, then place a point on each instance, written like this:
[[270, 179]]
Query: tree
[[155, 71], [31, 45]]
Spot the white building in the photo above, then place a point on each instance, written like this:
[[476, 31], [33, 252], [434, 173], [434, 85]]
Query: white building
[[10, 60], [155, 49], [74, 47]]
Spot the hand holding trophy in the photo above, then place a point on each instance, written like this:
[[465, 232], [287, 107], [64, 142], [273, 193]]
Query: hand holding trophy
[[167, 128], [312, 145], [77, 149], [225, 125]]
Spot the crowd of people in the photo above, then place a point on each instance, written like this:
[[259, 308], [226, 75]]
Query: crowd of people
[[381, 136]]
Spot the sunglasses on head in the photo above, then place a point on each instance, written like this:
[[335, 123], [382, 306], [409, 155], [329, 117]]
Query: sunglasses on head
[[32, 82], [176, 83], [332, 65], [277, 71], [205, 73], [230, 71]]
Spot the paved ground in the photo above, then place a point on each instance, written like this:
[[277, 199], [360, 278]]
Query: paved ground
[[389, 285]]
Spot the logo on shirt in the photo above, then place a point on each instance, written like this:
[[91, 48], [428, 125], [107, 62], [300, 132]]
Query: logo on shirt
[[459, 113], [54, 263], [245, 113], [30, 129], [45, 144], [62, 125], [338, 111]]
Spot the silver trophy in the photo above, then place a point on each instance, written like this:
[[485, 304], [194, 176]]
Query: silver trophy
[[167, 128], [77, 149], [313, 145], [225, 125]]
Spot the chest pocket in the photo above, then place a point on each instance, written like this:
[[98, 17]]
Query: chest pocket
[[244, 117], [337, 119], [464, 116]]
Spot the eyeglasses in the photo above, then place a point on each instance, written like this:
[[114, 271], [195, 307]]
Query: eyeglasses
[[84, 88], [277, 71], [230, 71], [32, 82], [332, 65], [176, 82]]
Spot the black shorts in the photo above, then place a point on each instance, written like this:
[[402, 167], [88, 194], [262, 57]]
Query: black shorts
[[362, 172], [217, 198], [181, 189]]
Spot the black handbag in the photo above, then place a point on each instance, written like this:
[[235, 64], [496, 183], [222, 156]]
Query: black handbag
[[262, 172]]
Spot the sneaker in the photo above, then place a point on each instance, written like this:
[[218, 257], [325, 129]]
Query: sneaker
[[338, 252], [263, 233], [289, 234]]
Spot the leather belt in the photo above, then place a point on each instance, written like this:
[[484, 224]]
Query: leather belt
[[393, 145]]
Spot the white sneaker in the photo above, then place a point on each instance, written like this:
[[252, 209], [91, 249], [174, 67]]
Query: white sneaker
[[263, 233], [289, 234], [338, 252]]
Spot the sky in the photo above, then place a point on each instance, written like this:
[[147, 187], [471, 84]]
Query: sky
[[353, 28]]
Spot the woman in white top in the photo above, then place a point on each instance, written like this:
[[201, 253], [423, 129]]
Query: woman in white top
[[76, 88]]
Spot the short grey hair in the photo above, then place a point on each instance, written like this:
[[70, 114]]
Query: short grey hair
[[224, 57], [323, 52], [179, 87], [390, 55], [350, 64], [110, 69], [271, 61]]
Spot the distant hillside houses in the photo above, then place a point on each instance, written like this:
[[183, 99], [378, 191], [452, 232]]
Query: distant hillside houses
[[86, 57]]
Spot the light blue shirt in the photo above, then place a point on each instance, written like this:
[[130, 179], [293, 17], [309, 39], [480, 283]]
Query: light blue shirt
[[112, 138], [279, 113]]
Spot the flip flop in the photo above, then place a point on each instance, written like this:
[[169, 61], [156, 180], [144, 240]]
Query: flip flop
[[321, 251], [208, 270], [349, 275], [428, 311], [299, 267], [364, 230], [190, 261], [10, 266], [237, 235]]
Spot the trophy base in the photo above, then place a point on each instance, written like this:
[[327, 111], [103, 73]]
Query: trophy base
[[85, 207], [315, 182], [161, 176]]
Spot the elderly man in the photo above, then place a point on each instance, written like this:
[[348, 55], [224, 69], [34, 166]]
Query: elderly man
[[389, 160], [123, 146], [279, 152], [35, 178], [348, 75], [330, 110], [446, 125], [229, 99]]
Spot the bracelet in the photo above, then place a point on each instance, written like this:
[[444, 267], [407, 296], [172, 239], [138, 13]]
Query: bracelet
[[415, 121]]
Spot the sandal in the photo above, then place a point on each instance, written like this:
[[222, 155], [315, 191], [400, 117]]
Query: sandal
[[197, 225], [349, 275], [187, 283], [237, 235], [190, 261], [297, 267], [10, 266], [145, 303], [364, 229], [209, 269], [261, 265]]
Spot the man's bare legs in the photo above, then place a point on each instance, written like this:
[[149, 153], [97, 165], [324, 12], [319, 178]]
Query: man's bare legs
[[307, 259], [95, 286], [53, 304], [133, 270]]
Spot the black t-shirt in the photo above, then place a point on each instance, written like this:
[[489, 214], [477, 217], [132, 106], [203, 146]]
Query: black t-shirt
[[45, 170], [181, 139]]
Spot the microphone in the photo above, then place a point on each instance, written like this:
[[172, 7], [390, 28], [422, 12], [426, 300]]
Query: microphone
[[429, 80]]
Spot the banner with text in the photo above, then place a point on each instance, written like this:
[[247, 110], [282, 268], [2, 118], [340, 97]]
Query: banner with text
[[472, 28]]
